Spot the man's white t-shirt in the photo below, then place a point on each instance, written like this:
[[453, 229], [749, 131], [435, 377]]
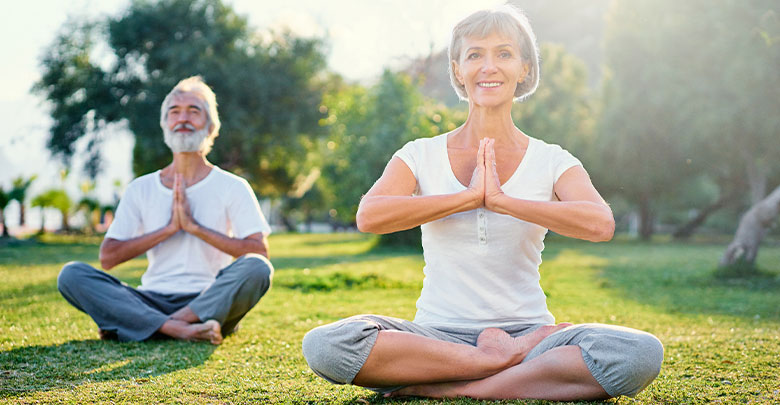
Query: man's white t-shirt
[[482, 268], [183, 263]]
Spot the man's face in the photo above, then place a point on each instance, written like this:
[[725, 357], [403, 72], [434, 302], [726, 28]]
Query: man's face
[[187, 124]]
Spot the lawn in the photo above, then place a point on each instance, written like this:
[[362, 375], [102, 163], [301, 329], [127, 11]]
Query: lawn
[[721, 336]]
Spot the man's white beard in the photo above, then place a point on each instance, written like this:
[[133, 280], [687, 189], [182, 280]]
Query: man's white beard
[[185, 141]]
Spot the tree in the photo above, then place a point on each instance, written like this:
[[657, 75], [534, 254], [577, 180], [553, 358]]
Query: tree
[[267, 88], [89, 205], [643, 130], [366, 127], [54, 198], [19, 193], [561, 111], [4, 200], [741, 253], [692, 92]]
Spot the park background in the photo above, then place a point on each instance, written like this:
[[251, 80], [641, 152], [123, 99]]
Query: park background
[[672, 107]]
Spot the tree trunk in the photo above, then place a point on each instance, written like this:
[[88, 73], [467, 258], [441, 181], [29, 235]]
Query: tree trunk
[[686, 230], [757, 176], [21, 215], [645, 218], [65, 224], [2, 223], [753, 226], [288, 222]]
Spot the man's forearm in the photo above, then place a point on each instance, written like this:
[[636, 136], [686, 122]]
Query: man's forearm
[[255, 243], [114, 252]]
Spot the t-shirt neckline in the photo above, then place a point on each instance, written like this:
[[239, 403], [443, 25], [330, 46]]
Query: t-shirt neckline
[[454, 178], [193, 187]]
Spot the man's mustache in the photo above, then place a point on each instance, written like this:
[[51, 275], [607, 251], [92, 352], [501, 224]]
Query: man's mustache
[[184, 125]]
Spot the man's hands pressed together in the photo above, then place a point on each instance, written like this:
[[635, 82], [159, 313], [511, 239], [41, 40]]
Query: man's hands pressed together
[[181, 215]]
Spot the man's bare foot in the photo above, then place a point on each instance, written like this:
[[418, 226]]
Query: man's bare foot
[[496, 342], [207, 331]]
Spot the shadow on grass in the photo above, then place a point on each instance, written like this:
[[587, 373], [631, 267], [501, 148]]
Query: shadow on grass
[[680, 278], [291, 262], [44, 368], [43, 254]]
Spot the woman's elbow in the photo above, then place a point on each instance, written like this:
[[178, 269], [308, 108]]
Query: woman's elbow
[[604, 231], [364, 222]]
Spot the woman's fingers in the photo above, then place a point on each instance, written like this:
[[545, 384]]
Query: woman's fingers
[[481, 153]]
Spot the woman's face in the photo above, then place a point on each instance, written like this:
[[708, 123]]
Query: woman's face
[[490, 69]]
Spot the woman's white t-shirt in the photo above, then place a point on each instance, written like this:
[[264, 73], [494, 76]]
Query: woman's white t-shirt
[[183, 263], [482, 268]]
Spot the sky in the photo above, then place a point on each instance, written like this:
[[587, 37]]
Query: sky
[[364, 37]]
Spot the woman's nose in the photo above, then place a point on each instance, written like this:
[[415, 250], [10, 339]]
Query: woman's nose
[[488, 64]]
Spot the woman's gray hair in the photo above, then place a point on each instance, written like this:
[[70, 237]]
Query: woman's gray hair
[[505, 20], [195, 84]]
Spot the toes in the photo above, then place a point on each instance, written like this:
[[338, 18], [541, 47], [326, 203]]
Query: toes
[[209, 331]]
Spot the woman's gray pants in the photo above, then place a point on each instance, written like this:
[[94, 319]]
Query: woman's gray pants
[[136, 315], [623, 360]]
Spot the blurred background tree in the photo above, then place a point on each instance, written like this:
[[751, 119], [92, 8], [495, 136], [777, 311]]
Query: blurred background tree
[[118, 70], [4, 200], [18, 192], [58, 199], [366, 127]]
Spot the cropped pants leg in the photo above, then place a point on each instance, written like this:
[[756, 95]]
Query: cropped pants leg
[[135, 315], [622, 360]]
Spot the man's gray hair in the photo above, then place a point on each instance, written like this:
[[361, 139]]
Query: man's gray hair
[[195, 84], [505, 20]]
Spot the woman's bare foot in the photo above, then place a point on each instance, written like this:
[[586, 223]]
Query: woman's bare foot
[[492, 342], [440, 390], [496, 342]]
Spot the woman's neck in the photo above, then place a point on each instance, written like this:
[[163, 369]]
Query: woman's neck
[[494, 122]]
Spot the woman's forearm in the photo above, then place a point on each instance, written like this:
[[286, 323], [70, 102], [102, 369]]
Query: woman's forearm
[[577, 219], [385, 214]]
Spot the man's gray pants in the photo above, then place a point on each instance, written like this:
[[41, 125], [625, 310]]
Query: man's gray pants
[[135, 315], [623, 361]]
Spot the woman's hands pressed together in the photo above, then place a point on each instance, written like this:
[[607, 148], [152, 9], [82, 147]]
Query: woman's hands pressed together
[[485, 184]]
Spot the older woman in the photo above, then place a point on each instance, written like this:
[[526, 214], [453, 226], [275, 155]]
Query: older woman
[[485, 195]]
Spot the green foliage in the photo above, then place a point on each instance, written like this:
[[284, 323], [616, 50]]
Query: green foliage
[[366, 127], [719, 335], [267, 89], [562, 110], [4, 200], [55, 198], [690, 91]]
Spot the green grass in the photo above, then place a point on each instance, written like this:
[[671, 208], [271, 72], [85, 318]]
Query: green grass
[[722, 336]]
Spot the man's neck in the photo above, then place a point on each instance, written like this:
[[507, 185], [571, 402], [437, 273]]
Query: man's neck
[[192, 165]]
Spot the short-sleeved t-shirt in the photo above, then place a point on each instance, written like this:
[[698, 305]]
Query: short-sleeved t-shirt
[[481, 267], [183, 263]]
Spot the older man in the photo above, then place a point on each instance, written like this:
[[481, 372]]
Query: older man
[[190, 218]]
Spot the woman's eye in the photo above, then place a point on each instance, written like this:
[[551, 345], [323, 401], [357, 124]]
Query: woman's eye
[[474, 55], [505, 55]]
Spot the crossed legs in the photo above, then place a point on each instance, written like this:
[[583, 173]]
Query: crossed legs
[[559, 374], [550, 362], [132, 315]]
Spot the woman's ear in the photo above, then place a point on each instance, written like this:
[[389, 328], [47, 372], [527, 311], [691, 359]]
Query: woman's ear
[[456, 72], [525, 74]]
